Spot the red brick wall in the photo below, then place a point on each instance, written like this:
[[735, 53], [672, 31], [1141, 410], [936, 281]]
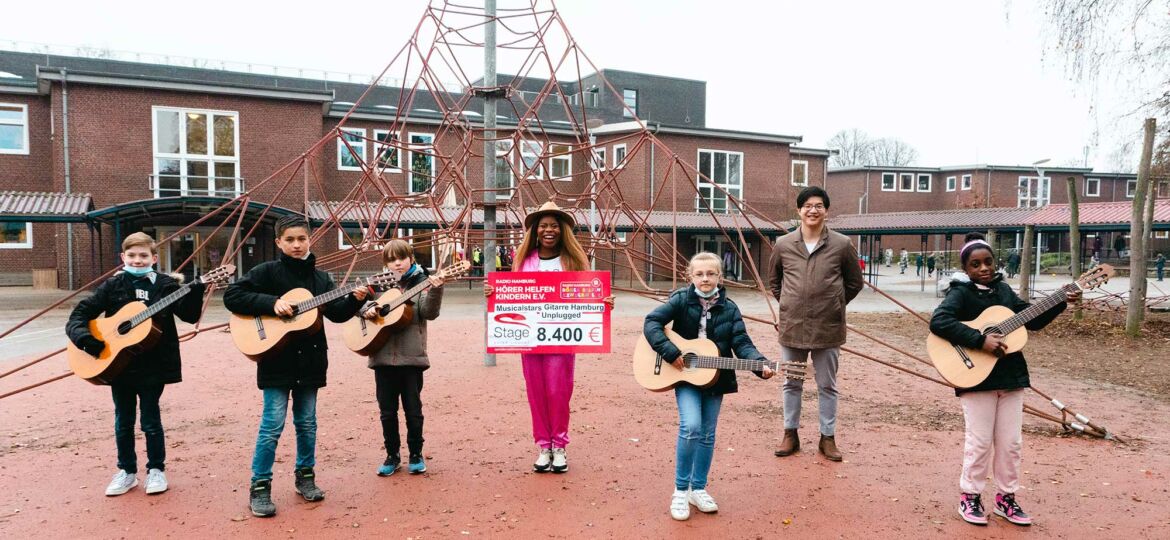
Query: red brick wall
[[29, 172]]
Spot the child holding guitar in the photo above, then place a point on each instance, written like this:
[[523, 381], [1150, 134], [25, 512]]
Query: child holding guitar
[[399, 364], [993, 409], [701, 310], [145, 375], [298, 369]]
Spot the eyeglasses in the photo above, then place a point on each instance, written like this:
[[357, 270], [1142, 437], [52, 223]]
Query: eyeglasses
[[817, 207], [701, 275]]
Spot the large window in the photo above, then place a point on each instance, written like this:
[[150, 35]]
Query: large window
[[966, 182], [719, 169], [1034, 191], [13, 128], [599, 158], [1130, 188], [619, 155], [906, 181], [387, 150], [530, 159], [951, 183], [504, 176], [1092, 187], [924, 183], [799, 173], [889, 181], [560, 161], [196, 152], [351, 149], [630, 99], [15, 235], [422, 162]]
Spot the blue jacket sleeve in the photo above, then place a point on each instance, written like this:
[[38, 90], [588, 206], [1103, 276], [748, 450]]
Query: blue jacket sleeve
[[654, 328]]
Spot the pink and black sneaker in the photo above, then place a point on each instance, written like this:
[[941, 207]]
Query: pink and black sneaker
[[1007, 508], [971, 509]]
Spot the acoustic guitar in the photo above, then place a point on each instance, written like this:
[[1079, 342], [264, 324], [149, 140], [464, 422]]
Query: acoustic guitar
[[366, 336], [263, 336], [964, 368], [125, 334], [701, 363]]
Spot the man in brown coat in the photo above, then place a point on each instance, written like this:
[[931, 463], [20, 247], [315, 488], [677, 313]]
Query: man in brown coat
[[814, 275]]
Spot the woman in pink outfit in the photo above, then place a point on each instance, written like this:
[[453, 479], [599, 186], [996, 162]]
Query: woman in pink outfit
[[549, 246]]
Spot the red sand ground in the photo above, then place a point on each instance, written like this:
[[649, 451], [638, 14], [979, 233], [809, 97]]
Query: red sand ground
[[901, 437]]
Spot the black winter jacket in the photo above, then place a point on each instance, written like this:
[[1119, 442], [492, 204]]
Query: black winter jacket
[[304, 361], [964, 302], [725, 328], [160, 365]]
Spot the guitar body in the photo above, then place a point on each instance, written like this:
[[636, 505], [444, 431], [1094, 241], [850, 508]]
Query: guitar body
[[950, 362], [367, 336], [120, 347], [646, 362], [259, 337]]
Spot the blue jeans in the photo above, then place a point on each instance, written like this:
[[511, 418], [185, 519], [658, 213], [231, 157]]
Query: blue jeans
[[126, 399], [272, 424], [698, 415]]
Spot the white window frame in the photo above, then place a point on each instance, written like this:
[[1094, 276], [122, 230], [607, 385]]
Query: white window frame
[[918, 182], [952, 183], [913, 181], [358, 149], [619, 156], [1096, 183], [566, 157], [629, 111], [504, 151], [793, 172], [965, 185], [342, 245], [426, 149], [28, 234], [1024, 199], [598, 159], [735, 190], [1130, 188], [183, 156], [532, 149], [378, 146], [893, 181], [1161, 234], [22, 122]]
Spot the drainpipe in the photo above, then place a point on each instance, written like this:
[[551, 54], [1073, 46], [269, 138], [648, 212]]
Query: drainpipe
[[68, 178], [987, 203]]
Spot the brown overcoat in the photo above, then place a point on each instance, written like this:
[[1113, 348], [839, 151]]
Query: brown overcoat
[[813, 288]]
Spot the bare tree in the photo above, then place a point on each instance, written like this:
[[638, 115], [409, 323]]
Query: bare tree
[[853, 147], [892, 152], [1138, 237]]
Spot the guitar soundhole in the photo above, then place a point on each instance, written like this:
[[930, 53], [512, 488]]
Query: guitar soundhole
[[125, 327]]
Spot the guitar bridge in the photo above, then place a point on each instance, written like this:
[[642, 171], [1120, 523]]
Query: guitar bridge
[[658, 364], [966, 359], [260, 328]]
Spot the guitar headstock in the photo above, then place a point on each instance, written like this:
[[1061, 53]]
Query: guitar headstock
[[797, 371], [388, 276], [1095, 277], [219, 275], [454, 271]]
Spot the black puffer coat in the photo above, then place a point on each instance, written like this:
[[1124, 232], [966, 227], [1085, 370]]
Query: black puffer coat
[[725, 328], [304, 361], [964, 302], [160, 365]]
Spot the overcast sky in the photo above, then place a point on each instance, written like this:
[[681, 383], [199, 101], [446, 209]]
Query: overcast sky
[[961, 81]]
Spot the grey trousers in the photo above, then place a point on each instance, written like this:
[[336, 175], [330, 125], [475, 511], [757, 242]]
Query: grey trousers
[[825, 365]]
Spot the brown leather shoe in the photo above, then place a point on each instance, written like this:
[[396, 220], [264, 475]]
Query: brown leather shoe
[[790, 444], [829, 448]]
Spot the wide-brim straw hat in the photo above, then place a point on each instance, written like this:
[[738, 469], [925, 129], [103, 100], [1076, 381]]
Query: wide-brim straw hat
[[546, 209]]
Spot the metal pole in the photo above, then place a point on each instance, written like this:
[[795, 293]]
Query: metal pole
[[593, 197], [489, 154], [68, 177]]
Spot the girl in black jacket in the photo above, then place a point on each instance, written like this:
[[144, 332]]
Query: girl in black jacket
[[143, 377], [299, 369], [700, 310], [993, 409]]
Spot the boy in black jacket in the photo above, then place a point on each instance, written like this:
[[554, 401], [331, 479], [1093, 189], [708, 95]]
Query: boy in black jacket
[[299, 369], [143, 378]]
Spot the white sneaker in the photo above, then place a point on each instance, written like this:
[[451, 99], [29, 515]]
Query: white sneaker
[[703, 501], [121, 483], [679, 509], [156, 481], [560, 462], [543, 460]]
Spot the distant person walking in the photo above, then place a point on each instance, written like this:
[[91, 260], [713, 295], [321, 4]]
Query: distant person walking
[[1013, 265], [1160, 265], [930, 264], [904, 261], [1119, 244], [918, 265]]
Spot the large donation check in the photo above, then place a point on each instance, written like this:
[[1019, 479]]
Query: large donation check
[[548, 312]]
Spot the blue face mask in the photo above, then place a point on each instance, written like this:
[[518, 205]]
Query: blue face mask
[[706, 295], [138, 272]]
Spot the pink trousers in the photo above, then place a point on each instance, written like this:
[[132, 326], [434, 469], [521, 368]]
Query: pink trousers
[[994, 419], [549, 381]]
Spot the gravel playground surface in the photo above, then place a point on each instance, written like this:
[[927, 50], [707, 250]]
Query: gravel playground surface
[[901, 437]]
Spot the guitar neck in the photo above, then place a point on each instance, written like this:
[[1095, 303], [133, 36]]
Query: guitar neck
[[160, 305], [1035, 310], [323, 299], [738, 364], [410, 293]]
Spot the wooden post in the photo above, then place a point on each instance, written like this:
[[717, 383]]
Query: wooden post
[[1026, 263], [1074, 240], [1137, 234]]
